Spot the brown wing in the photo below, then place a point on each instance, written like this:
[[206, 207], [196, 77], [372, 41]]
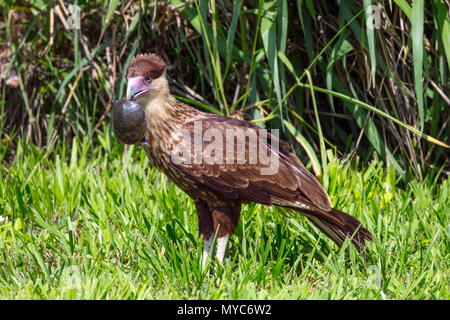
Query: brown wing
[[291, 185]]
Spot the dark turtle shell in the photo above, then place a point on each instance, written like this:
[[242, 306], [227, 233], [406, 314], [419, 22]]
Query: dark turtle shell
[[128, 121]]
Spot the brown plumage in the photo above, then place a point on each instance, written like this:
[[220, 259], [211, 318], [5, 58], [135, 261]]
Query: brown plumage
[[218, 189], [146, 64]]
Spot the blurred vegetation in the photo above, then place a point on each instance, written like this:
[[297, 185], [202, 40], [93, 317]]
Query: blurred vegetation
[[311, 68]]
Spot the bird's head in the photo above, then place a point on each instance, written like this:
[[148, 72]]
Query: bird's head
[[146, 78]]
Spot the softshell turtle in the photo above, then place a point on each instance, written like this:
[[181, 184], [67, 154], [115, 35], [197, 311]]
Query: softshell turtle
[[128, 121]]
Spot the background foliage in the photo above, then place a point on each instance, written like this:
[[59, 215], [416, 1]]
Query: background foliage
[[311, 68]]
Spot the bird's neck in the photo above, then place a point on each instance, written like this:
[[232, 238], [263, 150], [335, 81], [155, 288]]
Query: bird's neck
[[164, 115], [156, 106]]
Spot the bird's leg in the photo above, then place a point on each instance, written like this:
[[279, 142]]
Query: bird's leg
[[221, 247], [205, 228], [207, 243], [216, 222], [225, 219]]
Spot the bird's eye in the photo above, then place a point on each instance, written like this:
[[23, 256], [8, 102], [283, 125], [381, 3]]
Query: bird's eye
[[148, 78]]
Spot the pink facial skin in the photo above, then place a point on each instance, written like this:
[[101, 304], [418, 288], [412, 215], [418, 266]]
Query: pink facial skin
[[137, 86]]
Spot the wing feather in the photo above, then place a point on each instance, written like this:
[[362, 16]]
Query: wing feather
[[292, 184]]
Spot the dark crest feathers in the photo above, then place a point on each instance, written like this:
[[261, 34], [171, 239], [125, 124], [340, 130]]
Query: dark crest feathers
[[146, 64]]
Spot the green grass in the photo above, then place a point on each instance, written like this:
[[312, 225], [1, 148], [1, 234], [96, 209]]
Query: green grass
[[97, 223]]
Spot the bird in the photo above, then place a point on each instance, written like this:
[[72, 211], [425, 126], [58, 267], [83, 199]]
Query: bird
[[219, 188]]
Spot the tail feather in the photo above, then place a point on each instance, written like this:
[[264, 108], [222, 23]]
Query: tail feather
[[339, 226]]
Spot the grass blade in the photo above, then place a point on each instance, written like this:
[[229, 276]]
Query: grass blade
[[369, 9], [232, 31], [417, 41]]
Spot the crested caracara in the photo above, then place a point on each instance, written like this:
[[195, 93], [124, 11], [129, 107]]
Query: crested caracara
[[218, 161]]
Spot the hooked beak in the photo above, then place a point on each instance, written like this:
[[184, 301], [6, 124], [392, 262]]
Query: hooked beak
[[136, 86]]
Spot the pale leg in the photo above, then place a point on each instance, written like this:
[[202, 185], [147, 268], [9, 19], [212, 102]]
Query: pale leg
[[206, 250], [221, 247]]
